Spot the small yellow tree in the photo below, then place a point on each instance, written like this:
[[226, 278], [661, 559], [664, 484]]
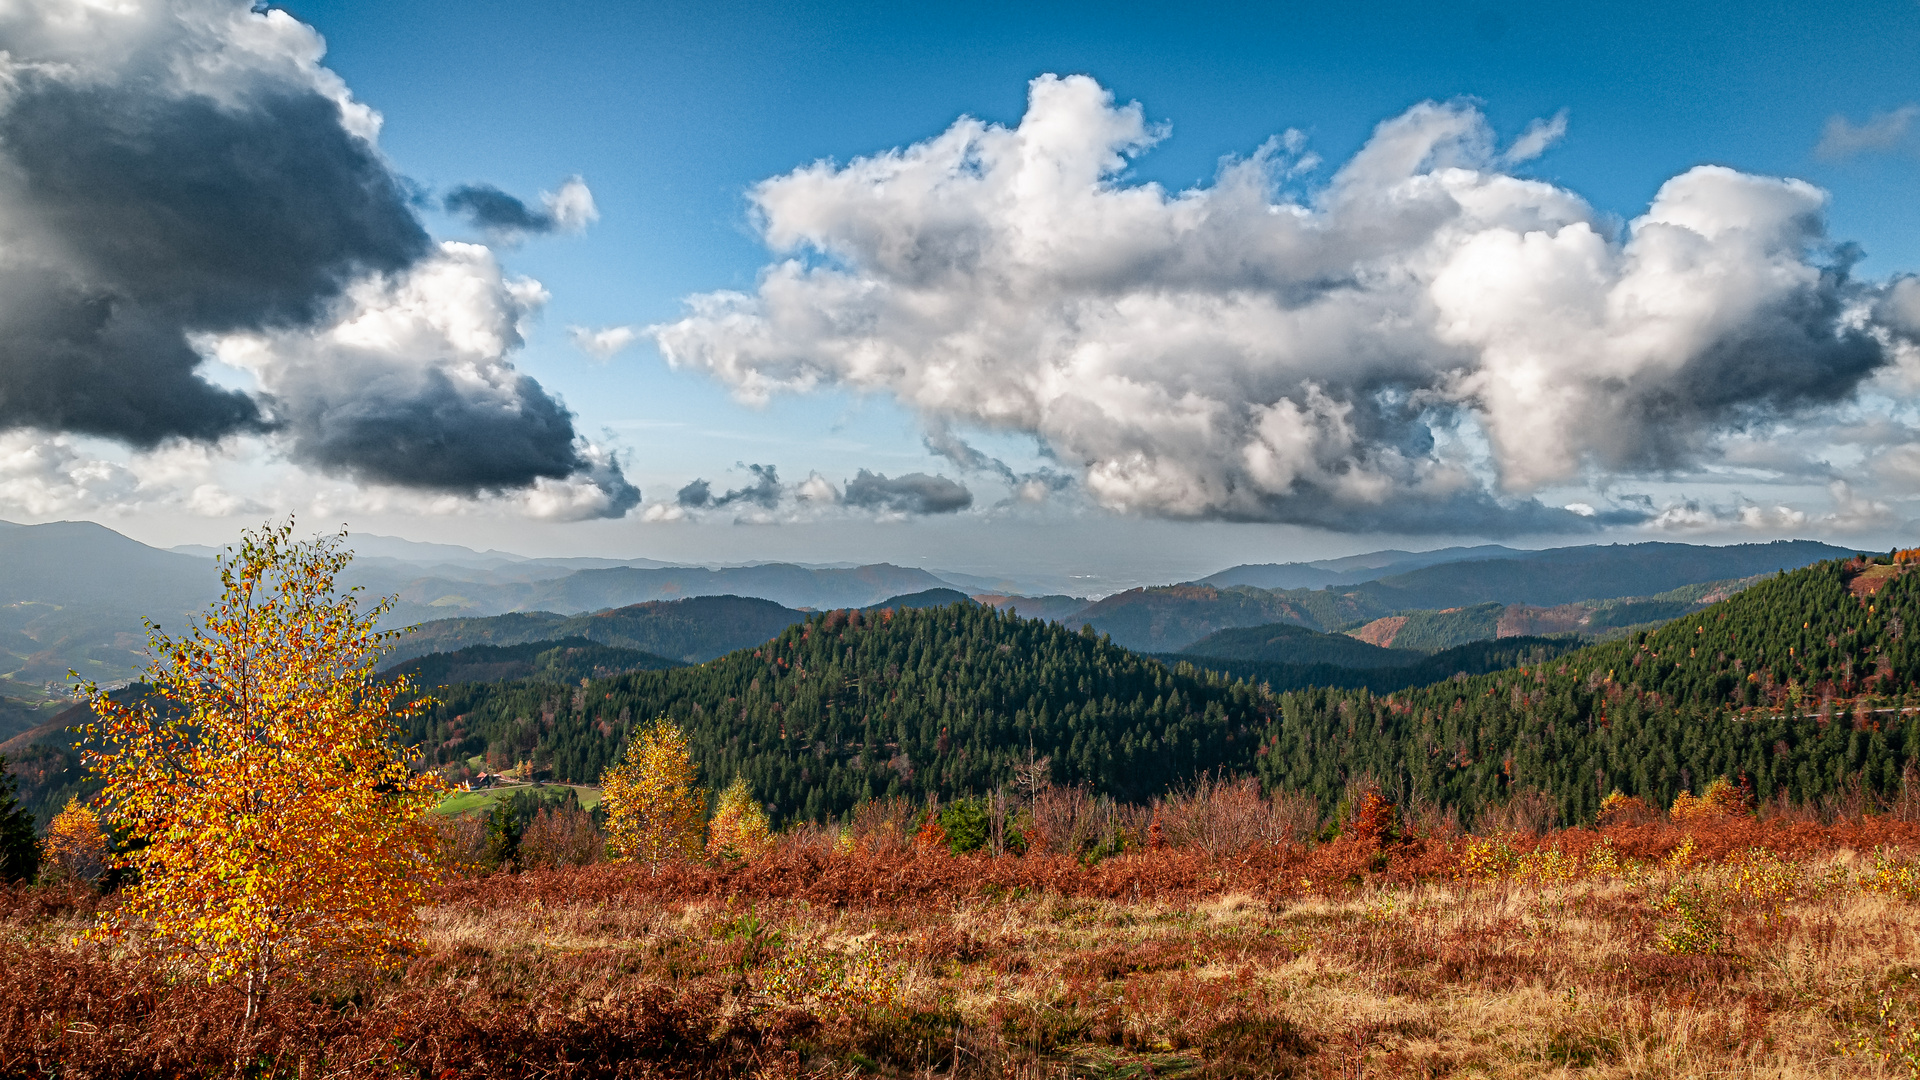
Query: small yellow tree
[[739, 829], [76, 849], [653, 807], [272, 818]]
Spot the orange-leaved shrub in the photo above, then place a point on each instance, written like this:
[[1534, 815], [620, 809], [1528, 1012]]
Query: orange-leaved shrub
[[75, 847], [558, 836], [1721, 798]]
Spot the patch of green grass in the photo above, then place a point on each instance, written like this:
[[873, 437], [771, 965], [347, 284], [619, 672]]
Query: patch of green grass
[[480, 802]]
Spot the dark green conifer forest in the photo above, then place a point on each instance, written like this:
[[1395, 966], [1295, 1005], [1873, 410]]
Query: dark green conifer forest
[[1800, 684], [851, 706]]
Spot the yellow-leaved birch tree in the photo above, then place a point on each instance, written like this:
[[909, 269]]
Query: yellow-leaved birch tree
[[271, 816], [654, 811]]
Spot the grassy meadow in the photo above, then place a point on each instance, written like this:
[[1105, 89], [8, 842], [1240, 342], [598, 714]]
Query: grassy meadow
[[1719, 944], [458, 803]]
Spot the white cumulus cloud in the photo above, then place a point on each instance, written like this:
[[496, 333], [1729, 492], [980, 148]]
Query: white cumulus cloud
[[1247, 350]]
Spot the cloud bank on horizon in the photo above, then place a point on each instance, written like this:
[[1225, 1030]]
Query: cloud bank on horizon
[[1423, 343], [184, 180]]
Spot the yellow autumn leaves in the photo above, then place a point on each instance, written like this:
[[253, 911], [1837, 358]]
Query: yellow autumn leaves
[[654, 809], [267, 809], [261, 797]]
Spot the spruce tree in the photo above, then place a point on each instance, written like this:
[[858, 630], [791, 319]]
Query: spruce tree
[[19, 848]]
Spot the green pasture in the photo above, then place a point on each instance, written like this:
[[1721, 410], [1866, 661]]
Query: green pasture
[[471, 802]]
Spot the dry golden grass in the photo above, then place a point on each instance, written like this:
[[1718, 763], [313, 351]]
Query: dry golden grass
[[1808, 973], [1723, 947]]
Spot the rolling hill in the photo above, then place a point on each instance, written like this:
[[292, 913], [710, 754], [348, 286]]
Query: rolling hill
[[565, 662], [1783, 682], [1804, 684], [846, 707], [690, 630], [1288, 643], [1171, 618], [928, 598]]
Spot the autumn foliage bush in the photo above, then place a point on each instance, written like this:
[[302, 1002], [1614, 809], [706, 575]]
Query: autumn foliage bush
[[75, 848]]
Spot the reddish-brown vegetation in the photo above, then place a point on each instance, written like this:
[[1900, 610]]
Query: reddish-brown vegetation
[[1380, 632], [1720, 943]]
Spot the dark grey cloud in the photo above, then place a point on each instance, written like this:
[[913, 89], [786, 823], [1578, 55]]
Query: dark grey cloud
[[764, 492], [696, 494], [489, 208], [910, 493], [432, 435], [203, 179], [137, 220], [505, 218]]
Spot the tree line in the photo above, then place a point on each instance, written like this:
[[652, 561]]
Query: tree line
[[1786, 684], [849, 707], [1799, 684]]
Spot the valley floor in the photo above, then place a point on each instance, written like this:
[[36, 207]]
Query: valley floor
[[1723, 948]]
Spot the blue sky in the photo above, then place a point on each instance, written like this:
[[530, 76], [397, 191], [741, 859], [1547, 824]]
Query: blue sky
[[671, 113]]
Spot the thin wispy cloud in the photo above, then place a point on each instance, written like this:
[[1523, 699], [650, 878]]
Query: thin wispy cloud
[[1537, 139], [605, 343], [1882, 132]]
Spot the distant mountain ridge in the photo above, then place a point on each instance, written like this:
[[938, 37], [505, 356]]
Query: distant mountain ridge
[[72, 594], [1351, 570], [565, 662], [691, 630], [1170, 618]]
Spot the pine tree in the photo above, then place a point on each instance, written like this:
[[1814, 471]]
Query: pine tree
[[739, 827], [19, 850]]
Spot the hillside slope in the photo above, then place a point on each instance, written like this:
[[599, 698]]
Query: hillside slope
[[691, 630], [1595, 572], [565, 662], [1286, 643], [72, 594], [846, 707], [1542, 583], [1802, 684], [1168, 618], [1411, 669]]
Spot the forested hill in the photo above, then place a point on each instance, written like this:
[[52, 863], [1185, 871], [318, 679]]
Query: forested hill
[[1473, 658], [1785, 683], [566, 661], [850, 706], [695, 629], [1799, 684]]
